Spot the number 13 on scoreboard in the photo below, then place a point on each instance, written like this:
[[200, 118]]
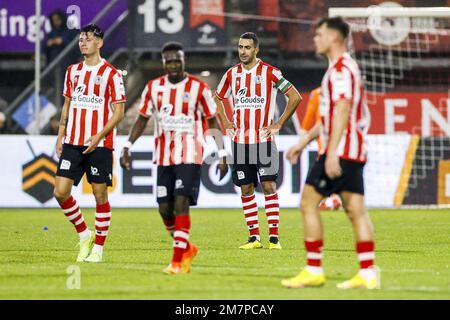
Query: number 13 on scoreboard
[[172, 22]]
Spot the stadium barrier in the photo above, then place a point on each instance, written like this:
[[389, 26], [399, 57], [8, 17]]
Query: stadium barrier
[[29, 162]]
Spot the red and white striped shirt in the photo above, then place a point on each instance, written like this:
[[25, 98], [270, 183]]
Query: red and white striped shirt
[[254, 94], [92, 90], [343, 81], [180, 111]]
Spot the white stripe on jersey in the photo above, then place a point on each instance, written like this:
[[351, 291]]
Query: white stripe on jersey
[[343, 81]]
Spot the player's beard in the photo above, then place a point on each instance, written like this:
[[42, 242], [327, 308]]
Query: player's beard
[[179, 76], [250, 60]]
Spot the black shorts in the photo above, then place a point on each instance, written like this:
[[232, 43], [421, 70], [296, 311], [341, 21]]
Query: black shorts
[[251, 161], [97, 165], [351, 179], [178, 180]]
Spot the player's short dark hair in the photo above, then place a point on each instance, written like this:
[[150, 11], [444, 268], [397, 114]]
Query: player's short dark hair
[[95, 29], [172, 46], [252, 36], [336, 23]]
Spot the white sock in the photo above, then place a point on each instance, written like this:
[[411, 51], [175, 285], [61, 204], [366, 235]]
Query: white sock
[[97, 249], [367, 273], [314, 270], [84, 235]]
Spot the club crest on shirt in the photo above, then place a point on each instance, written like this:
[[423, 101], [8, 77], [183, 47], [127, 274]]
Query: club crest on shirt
[[98, 80], [258, 79], [167, 108], [186, 96]]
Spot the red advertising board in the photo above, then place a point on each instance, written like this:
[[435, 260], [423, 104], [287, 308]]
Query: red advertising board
[[424, 114]]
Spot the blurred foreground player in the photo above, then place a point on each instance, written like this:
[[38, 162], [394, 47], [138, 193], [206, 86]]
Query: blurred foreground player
[[94, 105], [310, 131], [345, 119], [180, 105]]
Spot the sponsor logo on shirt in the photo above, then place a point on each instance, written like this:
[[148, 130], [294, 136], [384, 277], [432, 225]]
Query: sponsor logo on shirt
[[81, 101], [181, 123], [252, 102]]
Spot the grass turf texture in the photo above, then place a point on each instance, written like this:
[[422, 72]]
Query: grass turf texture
[[412, 251]]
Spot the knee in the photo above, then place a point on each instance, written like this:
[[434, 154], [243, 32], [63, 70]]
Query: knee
[[307, 207], [60, 195], [247, 190], [101, 196], [269, 187], [354, 212], [165, 211], [181, 206], [181, 210]]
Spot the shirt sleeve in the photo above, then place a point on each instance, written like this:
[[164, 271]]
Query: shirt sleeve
[[224, 88], [117, 88], [146, 104], [206, 103], [312, 111], [341, 84], [67, 92], [280, 83]]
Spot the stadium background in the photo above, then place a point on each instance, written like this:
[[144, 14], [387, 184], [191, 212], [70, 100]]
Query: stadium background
[[411, 108]]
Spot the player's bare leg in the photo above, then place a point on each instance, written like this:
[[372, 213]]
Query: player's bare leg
[[166, 211], [312, 275], [250, 208], [183, 250], [63, 188], [102, 221], [368, 276], [272, 207], [62, 191], [313, 229]]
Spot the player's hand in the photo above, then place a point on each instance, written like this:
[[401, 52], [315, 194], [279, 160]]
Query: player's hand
[[271, 130], [230, 129], [222, 167], [295, 151], [93, 143], [332, 166], [125, 159], [59, 147]]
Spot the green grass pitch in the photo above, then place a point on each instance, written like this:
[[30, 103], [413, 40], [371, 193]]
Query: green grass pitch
[[412, 251]]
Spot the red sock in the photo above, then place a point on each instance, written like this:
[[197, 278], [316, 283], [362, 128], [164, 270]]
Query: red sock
[[102, 221], [72, 212], [314, 253], [250, 208], [181, 237], [366, 253], [273, 213], [170, 225]]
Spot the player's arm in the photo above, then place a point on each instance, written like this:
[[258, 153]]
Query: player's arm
[[339, 123], [62, 126], [294, 100], [228, 125], [305, 139], [216, 133], [136, 131], [117, 116]]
